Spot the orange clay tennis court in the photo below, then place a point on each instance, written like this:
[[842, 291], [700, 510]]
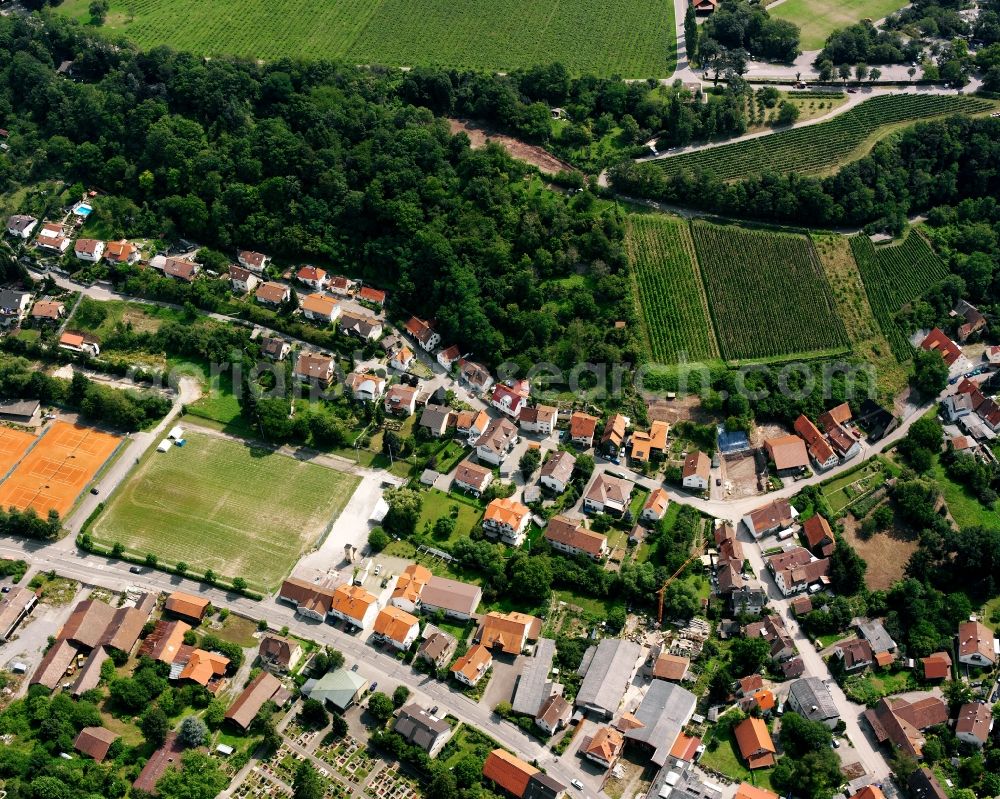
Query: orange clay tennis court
[[13, 445], [57, 469]]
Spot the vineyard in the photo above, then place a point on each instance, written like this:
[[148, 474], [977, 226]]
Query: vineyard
[[499, 35], [767, 294], [669, 289], [895, 275], [818, 147]]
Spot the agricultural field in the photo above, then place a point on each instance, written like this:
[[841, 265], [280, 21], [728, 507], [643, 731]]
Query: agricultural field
[[816, 148], [501, 35], [895, 275], [767, 294], [671, 296], [818, 19], [216, 504]]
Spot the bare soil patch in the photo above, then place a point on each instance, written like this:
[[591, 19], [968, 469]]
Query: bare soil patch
[[740, 476], [685, 408], [885, 553], [479, 135]]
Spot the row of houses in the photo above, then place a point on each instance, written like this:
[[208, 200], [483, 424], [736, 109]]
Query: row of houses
[[838, 442]]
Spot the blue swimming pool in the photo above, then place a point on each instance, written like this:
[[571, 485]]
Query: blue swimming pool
[[83, 209]]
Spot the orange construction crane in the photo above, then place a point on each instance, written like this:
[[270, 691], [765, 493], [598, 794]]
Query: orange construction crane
[[668, 581]]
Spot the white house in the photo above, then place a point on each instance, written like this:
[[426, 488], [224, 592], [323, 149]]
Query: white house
[[91, 250], [401, 399], [396, 627], [496, 442], [538, 419], [365, 387], [21, 226], [449, 357], [242, 280], [507, 401], [320, 308], [557, 471], [402, 359], [697, 471], [424, 334], [312, 276], [608, 494], [656, 506], [254, 261], [976, 645], [506, 519], [51, 238]]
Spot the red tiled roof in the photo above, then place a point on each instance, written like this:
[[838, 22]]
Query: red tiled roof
[[937, 340], [508, 772]]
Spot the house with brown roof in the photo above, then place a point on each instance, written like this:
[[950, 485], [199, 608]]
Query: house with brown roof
[[472, 477], [202, 667], [181, 269], [615, 430], [242, 280], [554, 714], [187, 606], [272, 294], [365, 386], [582, 427], [310, 600], [976, 645], [506, 519], [475, 375], [820, 451], [473, 665], [437, 647], [901, 721], [673, 668], [88, 623], [165, 642], [607, 494], [320, 308], [127, 624], [496, 442], [696, 471], [52, 238], [396, 627], [855, 654], [423, 333], [508, 401], [409, 586], [748, 791], [818, 535], [655, 507], [508, 632], [402, 359], [91, 250], [436, 419], [372, 295], [48, 311], [353, 604], [121, 252], [772, 629], [311, 367], [54, 664], [937, 666], [400, 400], [14, 608], [361, 326], [455, 599], [538, 419], [557, 471], [254, 261], [796, 569], [770, 518], [974, 724], [278, 654], [167, 756], [508, 772], [566, 535], [449, 356], [274, 348], [749, 685], [937, 341], [604, 746], [94, 742], [88, 676], [788, 453], [312, 276], [754, 742], [972, 320], [262, 689]]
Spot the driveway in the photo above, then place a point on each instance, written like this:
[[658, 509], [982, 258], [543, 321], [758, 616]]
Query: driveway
[[501, 685]]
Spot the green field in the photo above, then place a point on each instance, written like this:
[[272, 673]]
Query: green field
[[633, 38], [819, 147], [219, 505], [817, 19], [669, 289], [767, 293], [895, 275]]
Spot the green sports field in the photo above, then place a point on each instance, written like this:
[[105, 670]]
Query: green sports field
[[219, 505], [819, 18], [631, 38]]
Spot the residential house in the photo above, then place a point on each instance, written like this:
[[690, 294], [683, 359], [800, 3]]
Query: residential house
[[313, 368], [437, 648], [749, 685], [14, 609], [455, 599], [242, 280], [312, 276], [276, 349], [181, 269], [260, 690], [972, 320], [423, 333], [354, 605], [339, 689], [320, 308], [340, 286], [506, 519], [507, 401], [614, 434], [94, 742], [48, 311], [745, 789], [121, 252], [496, 442], [361, 326], [754, 742], [557, 471], [310, 600], [200, 666], [509, 773], [697, 470], [603, 747], [608, 494], [409, 585], [473, 424], [747, 599], [582, 427], [567, 536], [420, 728], [924, 785], [788, 453], [795, 570], [901, 721], [672, 668], [879, 639], [772, 629], [811, 698], [818, 535], [20, 226], [554, 714], [937, 666], [402, 359], [279, 654], [770, 518], [166, 757], [644, 446], [14, 305], [855, 654], [819, 449], [186, 606], [254, 261], [396, 627], [938, 341], [974, 724], [365, 386], [372, 295], [449, 356], [475, 375], [876, 420], [473, 665], [272, 294], [656, 506], [166, 641], [472, 477], [52, 239], [400, 400], [607, 670], [508, 632], [538, 419], [436, 419], [976, 645], [91, 250]]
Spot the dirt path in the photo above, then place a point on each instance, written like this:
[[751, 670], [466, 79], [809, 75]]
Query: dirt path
[[534, 155]]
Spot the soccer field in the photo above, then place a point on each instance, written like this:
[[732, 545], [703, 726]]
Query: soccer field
[[216, 504], [631, 38]]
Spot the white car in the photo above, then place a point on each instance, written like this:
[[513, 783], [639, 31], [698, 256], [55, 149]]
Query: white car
[[577, 784], [378, 570]]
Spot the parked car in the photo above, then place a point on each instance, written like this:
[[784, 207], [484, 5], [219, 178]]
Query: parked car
[[577, 784], [135, 570], [95, 490]]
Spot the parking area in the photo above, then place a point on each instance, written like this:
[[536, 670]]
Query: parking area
[[501, 685]]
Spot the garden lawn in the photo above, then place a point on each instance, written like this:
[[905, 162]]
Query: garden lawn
[[436, 505], [726, 760], [100, 318], [964, 508], [868, 689], [818, 19], [216, 504], [500, 35]]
